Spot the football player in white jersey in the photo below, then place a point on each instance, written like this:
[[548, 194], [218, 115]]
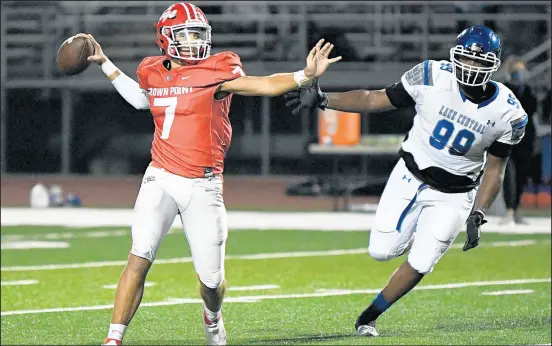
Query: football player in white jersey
[[465, 125]]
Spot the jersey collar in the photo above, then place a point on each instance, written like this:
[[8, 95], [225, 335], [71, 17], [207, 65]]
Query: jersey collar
[[486, 102]]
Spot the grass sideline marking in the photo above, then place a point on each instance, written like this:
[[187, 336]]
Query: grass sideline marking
[[114, 286], [257, 298], [260, 256], [18, 282], [187, 260], [253, 288], [506, 292], [34, 244], [65, 235], [346, 221]]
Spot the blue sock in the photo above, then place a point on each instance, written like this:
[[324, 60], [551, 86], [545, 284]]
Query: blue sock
[[378, 306], [380, 303]]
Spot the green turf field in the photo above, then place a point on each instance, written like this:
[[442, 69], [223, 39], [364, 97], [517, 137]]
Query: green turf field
[[315, 297]]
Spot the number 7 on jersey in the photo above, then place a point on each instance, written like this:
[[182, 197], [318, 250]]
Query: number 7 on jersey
[[170, 103]]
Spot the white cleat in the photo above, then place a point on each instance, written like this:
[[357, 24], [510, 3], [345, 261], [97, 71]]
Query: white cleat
[[215, 334], [367, 330]]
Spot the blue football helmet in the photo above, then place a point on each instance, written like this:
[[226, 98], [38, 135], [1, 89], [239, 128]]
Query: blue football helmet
[[476, 55]]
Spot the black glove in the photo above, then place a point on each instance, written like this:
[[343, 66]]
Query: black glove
[[307, 97], [473, 225]]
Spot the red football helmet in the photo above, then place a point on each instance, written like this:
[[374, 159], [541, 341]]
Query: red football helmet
[[183, 32]]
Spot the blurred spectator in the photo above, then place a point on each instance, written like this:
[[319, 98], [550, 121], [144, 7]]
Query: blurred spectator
[[519, 163]]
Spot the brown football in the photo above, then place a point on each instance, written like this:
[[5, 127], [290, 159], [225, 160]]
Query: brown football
[[72, 55]]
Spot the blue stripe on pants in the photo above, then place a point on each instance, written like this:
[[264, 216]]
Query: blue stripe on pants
[[408, 207]]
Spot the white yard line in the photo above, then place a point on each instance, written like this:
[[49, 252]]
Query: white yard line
[[34, 244], [9, 239], [114, 286], [257, 298], [188, 259], [65, 235], [260, 256], [253, 288], [506, 292], [331, 221], [18, 282]]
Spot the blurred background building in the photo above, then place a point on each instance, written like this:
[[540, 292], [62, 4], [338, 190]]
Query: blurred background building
[[80, 125]]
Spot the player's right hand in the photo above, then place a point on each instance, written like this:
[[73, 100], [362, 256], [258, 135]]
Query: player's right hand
[[99, 57], [306, 97]]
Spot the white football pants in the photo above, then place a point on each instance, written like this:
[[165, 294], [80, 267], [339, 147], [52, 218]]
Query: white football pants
[[411, 215], [199, 203]]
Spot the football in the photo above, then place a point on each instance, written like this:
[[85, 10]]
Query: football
[[72, 55]]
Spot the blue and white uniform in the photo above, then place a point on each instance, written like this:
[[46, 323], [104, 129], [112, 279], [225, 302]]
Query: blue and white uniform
[[432, 189]]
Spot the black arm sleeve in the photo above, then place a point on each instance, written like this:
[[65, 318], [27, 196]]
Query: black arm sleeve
[[501, 150], [398, 96]]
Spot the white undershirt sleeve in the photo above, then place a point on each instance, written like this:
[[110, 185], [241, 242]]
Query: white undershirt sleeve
[[127, 87]]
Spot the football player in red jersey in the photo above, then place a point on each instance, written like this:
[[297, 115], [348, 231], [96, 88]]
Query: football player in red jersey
[[188, 91]]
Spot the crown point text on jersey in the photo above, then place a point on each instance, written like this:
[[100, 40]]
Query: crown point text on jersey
[[462, 119], [175, 90]]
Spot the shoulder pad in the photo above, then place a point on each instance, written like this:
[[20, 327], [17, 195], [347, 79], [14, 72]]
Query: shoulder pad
[[228, 66]]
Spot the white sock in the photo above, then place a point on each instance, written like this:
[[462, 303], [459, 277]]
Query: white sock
[[116, 331], [211, 316]]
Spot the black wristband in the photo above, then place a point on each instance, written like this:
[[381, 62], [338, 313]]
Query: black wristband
[[480, 212]]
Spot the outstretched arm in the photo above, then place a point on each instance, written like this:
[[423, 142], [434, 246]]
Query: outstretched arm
[[280, 83], [398, 95], [394, 96], [359, 101], [127, 87]]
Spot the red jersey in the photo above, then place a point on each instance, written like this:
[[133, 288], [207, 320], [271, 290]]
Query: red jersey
[[192, 129]]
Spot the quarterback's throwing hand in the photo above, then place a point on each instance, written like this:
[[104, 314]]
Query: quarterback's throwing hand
[[99, 56], [473, 228], [306, 97]]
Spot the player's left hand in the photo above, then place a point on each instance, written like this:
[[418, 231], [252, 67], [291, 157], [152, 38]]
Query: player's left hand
[[306, 97], [473, 229], [318, 61]]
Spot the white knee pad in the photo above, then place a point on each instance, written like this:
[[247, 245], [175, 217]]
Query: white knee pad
[[388, 245], [143, 250], [379, 256], [211, 279], [381, 245], [424, 261], [147, 236], [423, 267]]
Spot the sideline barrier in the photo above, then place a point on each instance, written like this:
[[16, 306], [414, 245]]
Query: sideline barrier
[[237, 220]]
